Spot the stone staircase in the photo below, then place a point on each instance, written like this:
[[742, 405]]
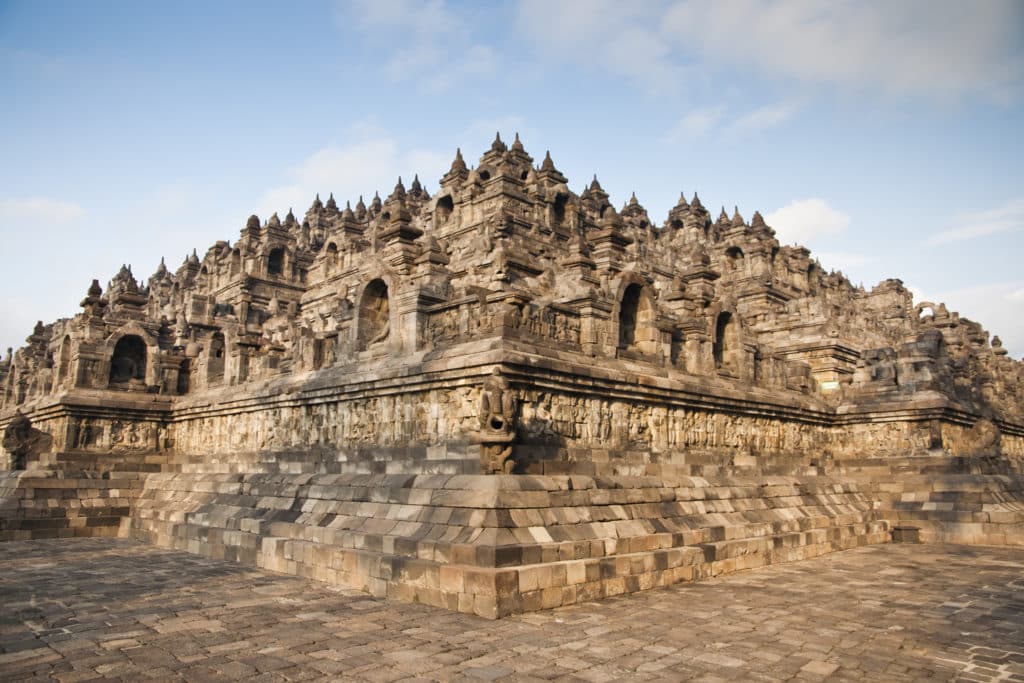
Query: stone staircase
[[498, 545]]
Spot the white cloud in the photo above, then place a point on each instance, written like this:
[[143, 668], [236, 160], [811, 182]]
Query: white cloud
[[695, 124], [845, 261], [363, 167], [39, 210], [764, 117], [699, 122], [931, 47], [619, 37], [436, 47], [1009, 217], [803, 220]]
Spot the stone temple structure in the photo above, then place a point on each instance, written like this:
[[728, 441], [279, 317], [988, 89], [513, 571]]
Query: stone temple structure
[[507, 396]]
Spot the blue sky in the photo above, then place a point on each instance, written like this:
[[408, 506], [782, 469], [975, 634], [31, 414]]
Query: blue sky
[[887, 137]]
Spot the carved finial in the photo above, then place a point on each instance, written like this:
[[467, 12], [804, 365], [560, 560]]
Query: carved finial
[[517, 145], [547, 164], [695, 203], [274, 221], [360, 205], [317, 204], [95, 289], [498, 145], [289, 219], [737, 219], [399, 191], [757, 220], [253, 223], [458, 163], [594, 185], [723, 217], [633, 200], [331, 204], [416, 187]]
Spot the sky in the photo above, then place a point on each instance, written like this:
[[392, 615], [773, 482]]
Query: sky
[[886, 137]]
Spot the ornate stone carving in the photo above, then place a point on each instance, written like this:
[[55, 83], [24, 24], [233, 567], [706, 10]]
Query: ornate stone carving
[[497, 421]]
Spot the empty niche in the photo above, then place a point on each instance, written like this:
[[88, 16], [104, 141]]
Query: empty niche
[[677, 348], [636, 317], [215, 359], [374, 314], [184, 372], [275, 261], [726, 340], [558, 210], [128, 364], [64, 363]]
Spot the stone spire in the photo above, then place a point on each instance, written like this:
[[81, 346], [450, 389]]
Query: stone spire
[[498, 145], [331, 204], [399, 192], [548, 165], [737, 219], [517, 146]]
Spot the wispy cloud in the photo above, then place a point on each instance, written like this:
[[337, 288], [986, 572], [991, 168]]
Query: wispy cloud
[[429, 43], [768, 116], [804, 220], [362, 167], [1008, 217], [931, 47], [706, 120], [622, 39], [38, 210], [695, 124]]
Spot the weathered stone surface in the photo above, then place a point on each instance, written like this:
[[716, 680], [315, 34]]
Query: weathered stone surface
[[92, 609], [507, 397]]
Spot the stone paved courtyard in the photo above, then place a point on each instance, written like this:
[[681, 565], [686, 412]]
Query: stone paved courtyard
[[99, 609]]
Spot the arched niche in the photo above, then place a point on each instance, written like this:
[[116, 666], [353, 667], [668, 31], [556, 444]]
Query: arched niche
[[184, 377], [128, 362], [275, 261], [64, 361], [734, 259], [727, 343], [215, 359], [636, 319], [330, 258], [677, 349], [374, 322], [443, 210], [558, 213]]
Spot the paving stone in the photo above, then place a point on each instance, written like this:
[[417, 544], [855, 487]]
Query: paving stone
[[876, 613]]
